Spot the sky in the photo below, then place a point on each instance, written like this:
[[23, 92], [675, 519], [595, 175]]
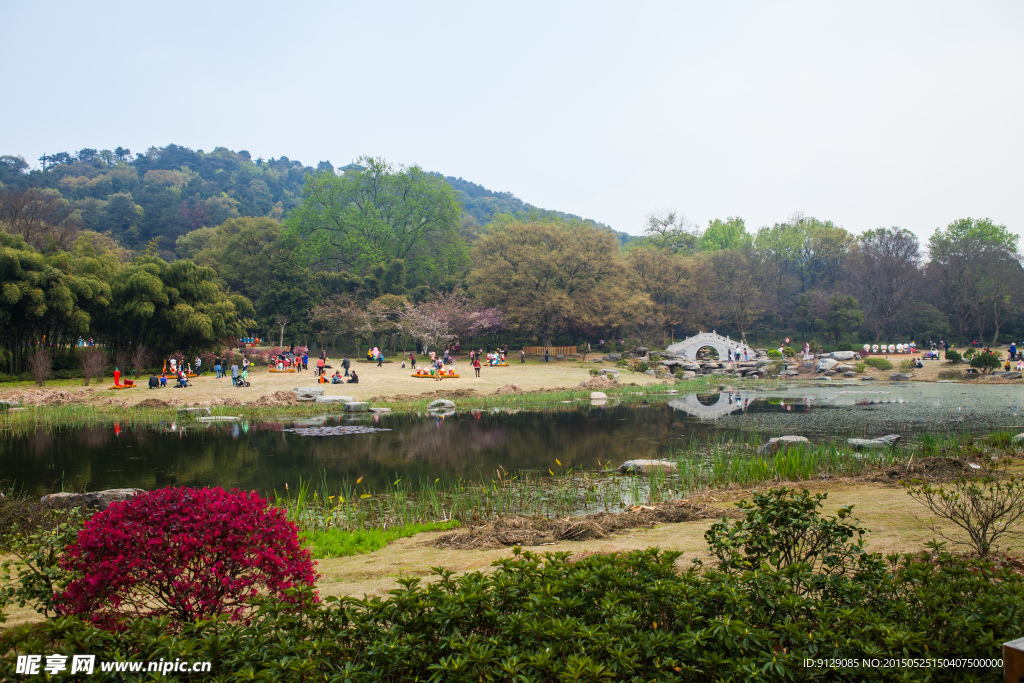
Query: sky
[[868, 114]]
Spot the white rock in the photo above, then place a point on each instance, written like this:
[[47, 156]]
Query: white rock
[[783, 442], [441, 404], [97, 499], [334, 399], [843, 355], [887, 441], [826, 364], [598, 396], [646, 466]]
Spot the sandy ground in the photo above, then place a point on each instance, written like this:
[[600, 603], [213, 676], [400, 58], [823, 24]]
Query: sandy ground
[[895, 523], [388, 380]]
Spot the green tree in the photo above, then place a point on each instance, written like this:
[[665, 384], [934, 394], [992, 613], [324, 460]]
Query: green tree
[[549, 277], [844, 314], [728, 234], [976, 264], [372, 216]]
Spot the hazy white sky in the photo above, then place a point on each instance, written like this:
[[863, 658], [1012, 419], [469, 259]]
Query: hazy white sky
[[865, 113]]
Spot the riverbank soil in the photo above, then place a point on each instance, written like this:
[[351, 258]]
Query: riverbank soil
[[389, 380]]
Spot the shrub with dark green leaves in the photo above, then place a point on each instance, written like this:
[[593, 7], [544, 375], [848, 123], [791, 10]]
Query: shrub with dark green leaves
[[878, 363], [792, 585], [986, 361], [953, 356]]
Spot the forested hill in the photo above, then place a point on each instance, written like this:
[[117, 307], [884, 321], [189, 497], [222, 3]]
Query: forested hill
[[483, 204], [169, 191]]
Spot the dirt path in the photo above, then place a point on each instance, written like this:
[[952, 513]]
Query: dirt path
[[385, 381]]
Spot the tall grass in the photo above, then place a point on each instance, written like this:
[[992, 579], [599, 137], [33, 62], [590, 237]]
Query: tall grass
[[351, 506]]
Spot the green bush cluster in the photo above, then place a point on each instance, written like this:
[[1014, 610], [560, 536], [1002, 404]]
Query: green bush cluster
[[986, 362], [878, 363], [953, 356], [774, 354], [787, 584]]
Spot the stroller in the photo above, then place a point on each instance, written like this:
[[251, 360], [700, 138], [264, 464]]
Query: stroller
[[243, 379]]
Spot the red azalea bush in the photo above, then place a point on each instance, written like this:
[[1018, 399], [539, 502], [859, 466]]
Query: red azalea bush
[[184, 553]]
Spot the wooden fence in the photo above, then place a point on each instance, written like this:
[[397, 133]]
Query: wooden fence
[[555, 350]]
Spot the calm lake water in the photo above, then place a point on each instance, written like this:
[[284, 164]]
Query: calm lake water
[[472, 444]]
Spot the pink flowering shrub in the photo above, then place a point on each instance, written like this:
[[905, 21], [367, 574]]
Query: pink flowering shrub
[[184, 553]]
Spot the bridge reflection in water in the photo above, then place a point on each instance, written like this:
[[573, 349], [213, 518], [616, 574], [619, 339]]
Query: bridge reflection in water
[[728, 402]]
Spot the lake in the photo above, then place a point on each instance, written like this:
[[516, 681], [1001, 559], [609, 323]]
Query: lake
[[472, 445]]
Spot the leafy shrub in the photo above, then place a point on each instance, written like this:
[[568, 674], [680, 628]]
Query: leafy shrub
[[637, 365], [183, 553], [986, 362], [878, 363], [783, 527], [594, 372], [907, 366], [950, 374], [774, 354], [618, 617], [35, 535], [953, 356], [788, 351], [969, 352], [860, 367]]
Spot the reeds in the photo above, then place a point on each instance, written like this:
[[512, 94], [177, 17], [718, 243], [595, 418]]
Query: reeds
[[352, 506]]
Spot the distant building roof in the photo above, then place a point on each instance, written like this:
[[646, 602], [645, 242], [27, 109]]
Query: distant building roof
[[352, 167]]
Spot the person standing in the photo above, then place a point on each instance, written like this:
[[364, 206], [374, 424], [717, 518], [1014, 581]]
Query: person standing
[[199, 366], [1013, 351], [522, 356], [320, 367], [218, 368], [305, 360], [547, 356], [346, 364], [476, 366], [234, 373], [380, 359], [412, 361]]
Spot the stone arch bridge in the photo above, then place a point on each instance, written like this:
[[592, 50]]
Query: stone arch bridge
[[687, 348]]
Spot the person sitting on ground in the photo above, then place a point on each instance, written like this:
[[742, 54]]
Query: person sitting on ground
[[154, 382], [336, 378], [182, 379], [919, 363], [354, 379]]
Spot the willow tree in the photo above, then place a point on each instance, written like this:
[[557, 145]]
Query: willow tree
[[550, 277]]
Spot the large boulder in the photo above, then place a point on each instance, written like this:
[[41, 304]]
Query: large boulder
[[646, 466], [640, 351], [610, 373], [598, 396], [887, 441], [690, 366], [868, 378], [357, 407], [334, 399], [689, 374], [825, 364], [778, 443], [613, 356], [308, 393], [850, 374], [441, 404], [843, 367], [901, 377], [97, 500], [1007, 375], [843, 355]]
